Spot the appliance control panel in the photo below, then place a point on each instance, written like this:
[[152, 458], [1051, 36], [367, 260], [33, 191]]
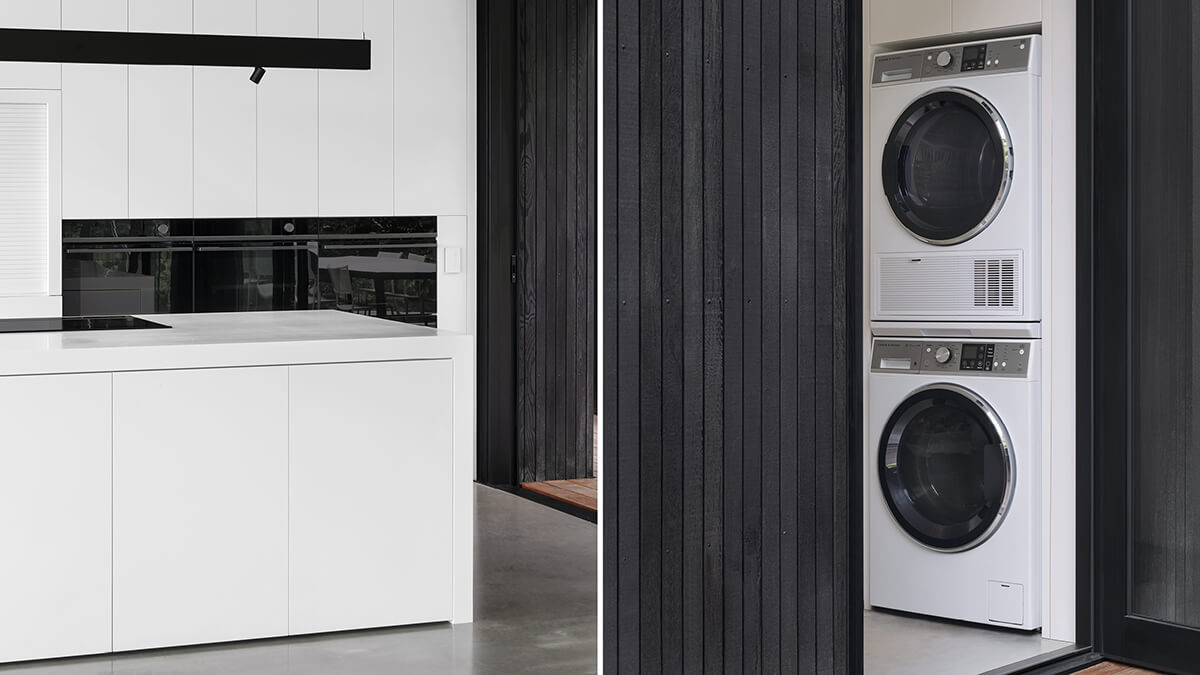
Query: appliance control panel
[[991, 358], [979, 58]]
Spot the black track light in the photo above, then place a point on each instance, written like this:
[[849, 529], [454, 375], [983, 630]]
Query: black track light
[[257, 75]]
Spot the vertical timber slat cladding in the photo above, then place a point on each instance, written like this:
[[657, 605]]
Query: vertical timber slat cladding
[[556, 239], [726, 385]]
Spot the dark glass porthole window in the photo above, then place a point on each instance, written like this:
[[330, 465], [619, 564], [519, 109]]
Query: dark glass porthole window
[[946, 468], [947, 166]]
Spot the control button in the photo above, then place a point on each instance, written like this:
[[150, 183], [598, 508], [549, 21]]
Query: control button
[[942, 355], [1004, 365], [995, 363], [164, 228], [944, 58], [1021, 352], [995, 62], [1022, 46], [928, 349]]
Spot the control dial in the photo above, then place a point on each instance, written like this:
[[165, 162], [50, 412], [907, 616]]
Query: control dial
[[942, 354], [944, 58]]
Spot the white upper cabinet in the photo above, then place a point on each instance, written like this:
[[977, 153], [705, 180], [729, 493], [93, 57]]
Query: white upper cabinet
[[95, 120], [355, 123], [897, 20], [900, 20], [975, 15], [431, 107], [224, 105], [30, 14], [160, 119], [30, 201], [287, 118]]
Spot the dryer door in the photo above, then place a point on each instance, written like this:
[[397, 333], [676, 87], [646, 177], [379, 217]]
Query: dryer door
[[947, 166], [946, 467]]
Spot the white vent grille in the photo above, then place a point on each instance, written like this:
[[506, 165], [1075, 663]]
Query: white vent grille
[[24, 198], [948, 285], [994, 283]]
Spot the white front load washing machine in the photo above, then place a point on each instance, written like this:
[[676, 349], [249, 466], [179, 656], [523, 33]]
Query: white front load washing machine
[[955, 205], [954, 480]]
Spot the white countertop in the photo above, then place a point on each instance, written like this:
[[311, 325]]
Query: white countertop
[[228, 340]]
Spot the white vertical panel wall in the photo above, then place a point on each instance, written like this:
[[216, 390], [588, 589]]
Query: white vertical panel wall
[[160, 120], [355, 125], [95, 127], [287, 118], [30, 14], [431, 107], [225, 116]]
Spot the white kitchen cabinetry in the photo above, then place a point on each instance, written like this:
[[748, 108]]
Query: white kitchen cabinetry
[[431, 107], [976, 15], [287, 118], [224, 104], [897, 20], [200, 475], [30, 14], [355, 120], [95, 125], [372, 518], [55, 508], [160, 120]]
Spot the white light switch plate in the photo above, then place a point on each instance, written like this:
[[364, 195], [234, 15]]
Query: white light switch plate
[[453, 257]]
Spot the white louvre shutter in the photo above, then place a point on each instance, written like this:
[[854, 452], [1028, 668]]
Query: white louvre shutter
[[24, 199]]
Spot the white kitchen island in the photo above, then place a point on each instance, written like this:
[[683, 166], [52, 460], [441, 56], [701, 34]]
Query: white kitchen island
[[233, 477]]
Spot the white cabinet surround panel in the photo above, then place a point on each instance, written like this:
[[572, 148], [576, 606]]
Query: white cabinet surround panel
[[287, 118], [39, 14], [391, 460], [95, 126], [160, 120], [55, 516], [224, 108], [355, 119], [199, 506], [975, 15]]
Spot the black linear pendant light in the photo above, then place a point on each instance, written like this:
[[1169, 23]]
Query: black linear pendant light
[[178, 49]]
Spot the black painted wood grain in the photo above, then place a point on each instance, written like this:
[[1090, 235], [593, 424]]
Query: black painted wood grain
[[727, 464], [556, 235]]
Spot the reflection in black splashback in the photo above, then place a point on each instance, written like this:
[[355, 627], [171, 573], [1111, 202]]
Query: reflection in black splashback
[[380, 266]]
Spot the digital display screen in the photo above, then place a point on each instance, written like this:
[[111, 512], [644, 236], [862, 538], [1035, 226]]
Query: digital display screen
[[972, 352], [974, 52]]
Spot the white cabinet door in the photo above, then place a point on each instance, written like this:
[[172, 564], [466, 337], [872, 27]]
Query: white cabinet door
[[287, 118], [371, 495], [199, 506], [896, 20], [160, 119], [30, 194], [30, 14], [355, 123], [431, 107], [95, 125], [225, 118], [55, 516], [973, 15]]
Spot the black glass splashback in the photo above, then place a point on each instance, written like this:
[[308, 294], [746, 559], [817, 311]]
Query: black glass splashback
[[385, 266]]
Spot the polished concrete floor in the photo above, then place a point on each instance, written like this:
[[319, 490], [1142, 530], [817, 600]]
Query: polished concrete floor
[[897, 644], [535, 612]]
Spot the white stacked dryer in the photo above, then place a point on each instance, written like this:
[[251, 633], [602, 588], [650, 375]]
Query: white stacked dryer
[[954, 388], [955, 191]]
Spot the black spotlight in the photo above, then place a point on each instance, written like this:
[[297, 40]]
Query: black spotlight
[[257, 75]]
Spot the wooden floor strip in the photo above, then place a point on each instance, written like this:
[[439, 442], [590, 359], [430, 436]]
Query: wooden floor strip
[[1110, 668], [574, 492]]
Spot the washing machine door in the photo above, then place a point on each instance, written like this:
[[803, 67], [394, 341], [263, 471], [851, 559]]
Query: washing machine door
[[947, 166], [946, 467]]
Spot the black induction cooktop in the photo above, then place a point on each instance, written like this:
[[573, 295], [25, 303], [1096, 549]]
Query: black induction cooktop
[[75, 323]]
